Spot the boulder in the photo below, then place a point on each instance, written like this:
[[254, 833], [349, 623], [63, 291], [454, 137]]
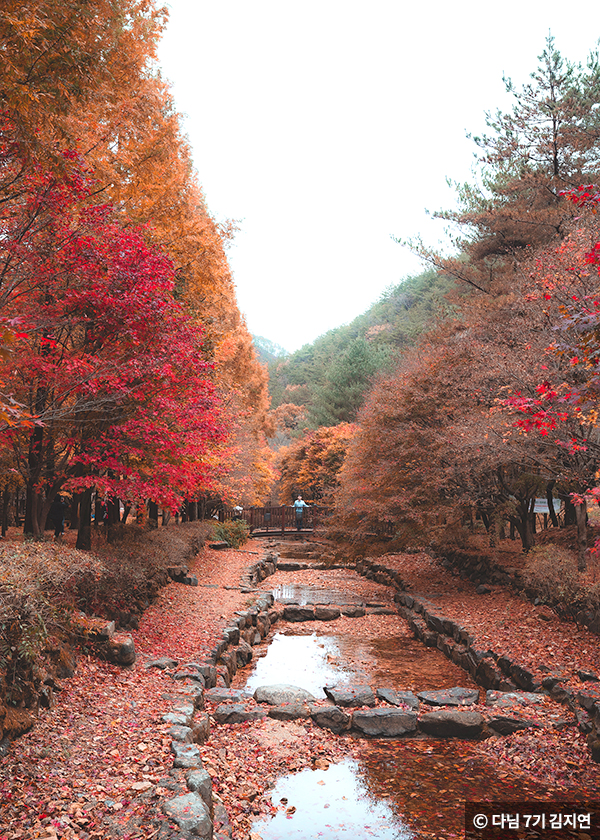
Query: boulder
[[201, 728], [350, 695], [353, 611], [163, 663], [398, 698], [523, 678], [243, 653], [200, 782], [232, 634], [181, 733], [226, 695], [191, 814], [120, 649], [330, 717], [190, 674], [507, 725], [186, 755], [184, 707], [512, 698], [263, 624], [385, 723], [296, 613], [237, 713], [278, 695], [451, 723], [323, 613], [177, 718], [450, 696]]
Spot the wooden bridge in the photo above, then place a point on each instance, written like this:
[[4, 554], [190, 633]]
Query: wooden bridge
[[279, 519]]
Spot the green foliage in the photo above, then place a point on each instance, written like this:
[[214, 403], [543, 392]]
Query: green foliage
[[331, 376], [233, 532]]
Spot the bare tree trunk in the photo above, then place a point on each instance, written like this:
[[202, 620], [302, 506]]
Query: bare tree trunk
[[581, 519], [5, 502], [153, 514], [84, 534], [550, 500]]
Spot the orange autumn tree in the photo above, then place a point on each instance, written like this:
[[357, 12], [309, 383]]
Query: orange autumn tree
[[311, 464], [82, 75]]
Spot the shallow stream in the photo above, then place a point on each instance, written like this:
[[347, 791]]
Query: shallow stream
[[385, 789]]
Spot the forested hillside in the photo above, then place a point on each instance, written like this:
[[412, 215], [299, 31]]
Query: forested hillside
[[330, 377], [127, 369], [496, 403]]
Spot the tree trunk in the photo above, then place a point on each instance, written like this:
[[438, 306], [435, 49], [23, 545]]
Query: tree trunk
[[153, 514], [581, 519], [113, 517], [74, 515], [84, 534], [5, 502], [550, 500], [570, 515], [192, 511]]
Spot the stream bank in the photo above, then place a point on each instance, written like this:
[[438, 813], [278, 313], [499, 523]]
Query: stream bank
[[100, 765]]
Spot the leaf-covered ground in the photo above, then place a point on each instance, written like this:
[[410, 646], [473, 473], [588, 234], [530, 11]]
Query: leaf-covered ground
[[94, 765]]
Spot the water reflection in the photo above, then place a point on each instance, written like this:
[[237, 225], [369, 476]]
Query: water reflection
[[331, 804], [309, 662], [302, 594]]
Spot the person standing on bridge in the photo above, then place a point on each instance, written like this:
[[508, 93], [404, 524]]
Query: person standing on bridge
[[299, 506]]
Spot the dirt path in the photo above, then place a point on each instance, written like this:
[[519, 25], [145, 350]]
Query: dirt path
[[91, 766]]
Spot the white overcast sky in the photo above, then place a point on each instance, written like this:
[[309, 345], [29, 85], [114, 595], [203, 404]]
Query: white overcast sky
[[325, 127]]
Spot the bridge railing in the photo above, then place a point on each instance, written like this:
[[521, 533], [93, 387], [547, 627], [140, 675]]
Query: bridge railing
[[276, 518]]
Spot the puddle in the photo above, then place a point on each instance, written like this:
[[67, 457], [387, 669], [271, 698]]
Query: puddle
[[332, 804], [309, 662]]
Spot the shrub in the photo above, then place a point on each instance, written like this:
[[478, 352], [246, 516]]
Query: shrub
[[234, 533], [551, 572]]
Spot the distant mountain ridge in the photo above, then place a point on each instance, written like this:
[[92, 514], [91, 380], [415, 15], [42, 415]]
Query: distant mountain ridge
[[268, 351], [331, 376]]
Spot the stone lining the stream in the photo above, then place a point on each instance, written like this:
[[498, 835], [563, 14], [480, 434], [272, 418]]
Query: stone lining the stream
[[508, 685]]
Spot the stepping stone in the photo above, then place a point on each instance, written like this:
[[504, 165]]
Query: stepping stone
[[224, 695], [323, 613], [450, 697], [353, 611], [511, 698], [398, 698], [278, 695], [387, 723], [452, 724], [292, 711], [293, 613], [350, 695], [237, 713], [331, 717]]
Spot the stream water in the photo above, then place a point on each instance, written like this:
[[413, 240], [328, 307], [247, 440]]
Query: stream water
[[386, 789]]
